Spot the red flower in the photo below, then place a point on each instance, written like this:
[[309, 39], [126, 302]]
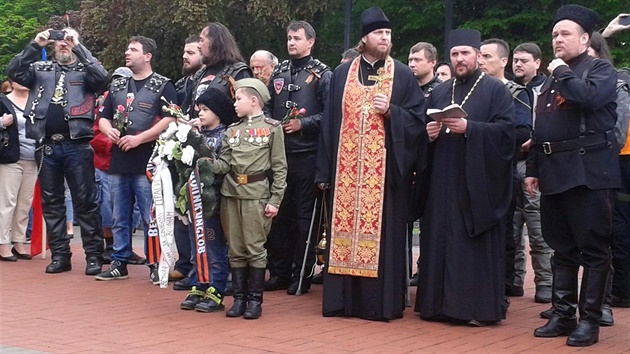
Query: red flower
[[120, 108]]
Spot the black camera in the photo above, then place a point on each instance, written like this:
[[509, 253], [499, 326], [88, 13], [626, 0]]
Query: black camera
[[56, 35]]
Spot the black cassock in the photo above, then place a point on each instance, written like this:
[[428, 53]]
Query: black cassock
[[379, 298], [462, 244]]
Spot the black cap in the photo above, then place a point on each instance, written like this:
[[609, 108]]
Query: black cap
[[372, 19], [581, 15], [464, 36], [220, 104]]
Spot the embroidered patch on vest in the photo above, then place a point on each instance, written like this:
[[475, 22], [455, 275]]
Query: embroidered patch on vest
[[278, 84], [145, 105], [84, 108]]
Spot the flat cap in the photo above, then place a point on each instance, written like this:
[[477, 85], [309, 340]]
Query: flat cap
[[122, 71]]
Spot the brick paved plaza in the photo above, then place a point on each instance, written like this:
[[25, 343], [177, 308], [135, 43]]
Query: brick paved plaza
[[73, 313]]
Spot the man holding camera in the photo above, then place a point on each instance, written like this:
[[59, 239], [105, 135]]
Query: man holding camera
[[60, 116]]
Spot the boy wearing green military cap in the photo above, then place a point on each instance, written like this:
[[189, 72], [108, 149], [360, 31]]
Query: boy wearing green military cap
[[252, 149]]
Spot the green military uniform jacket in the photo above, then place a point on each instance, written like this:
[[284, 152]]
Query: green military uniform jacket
[[252, 147]]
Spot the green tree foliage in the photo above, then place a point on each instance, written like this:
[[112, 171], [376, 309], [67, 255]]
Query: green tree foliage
[[514, 21], [255, 24], [107, 25]]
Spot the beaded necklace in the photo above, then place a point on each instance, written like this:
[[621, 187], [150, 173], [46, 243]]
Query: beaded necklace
[[469, 92]]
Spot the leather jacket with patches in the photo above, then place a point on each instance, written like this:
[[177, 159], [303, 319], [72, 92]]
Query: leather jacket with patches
[[146, 107], [83, 81], [306, 87]]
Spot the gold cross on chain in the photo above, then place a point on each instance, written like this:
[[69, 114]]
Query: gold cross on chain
[[379, 79]]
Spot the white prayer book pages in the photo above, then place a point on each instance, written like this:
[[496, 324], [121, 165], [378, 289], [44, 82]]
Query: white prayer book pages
[[450, 111]]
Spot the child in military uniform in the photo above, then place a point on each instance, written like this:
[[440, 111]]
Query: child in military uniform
[[215, 114], [251, 148]]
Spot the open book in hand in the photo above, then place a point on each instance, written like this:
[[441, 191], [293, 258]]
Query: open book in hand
[[451, 111]]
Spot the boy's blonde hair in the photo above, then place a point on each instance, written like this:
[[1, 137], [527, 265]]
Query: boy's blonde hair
[[250, 92]]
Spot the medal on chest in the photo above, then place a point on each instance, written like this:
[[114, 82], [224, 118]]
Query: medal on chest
[[235, 138]]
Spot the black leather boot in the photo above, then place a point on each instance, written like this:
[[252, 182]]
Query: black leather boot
[[564, 298], [241, 292], [59, 265], [94, 265], [591, 299], [54, 211], [293, 288], [607, 313], [256, 286]]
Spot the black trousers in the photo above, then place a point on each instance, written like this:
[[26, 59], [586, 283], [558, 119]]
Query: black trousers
[[510, 244], [577, 225], [621, 233], [286, 243], [74, 161]]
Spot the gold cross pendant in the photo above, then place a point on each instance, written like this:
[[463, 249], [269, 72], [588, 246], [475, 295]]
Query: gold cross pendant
[[380, 78]]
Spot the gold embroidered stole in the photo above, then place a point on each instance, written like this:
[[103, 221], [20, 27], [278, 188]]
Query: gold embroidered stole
[[360, 178]]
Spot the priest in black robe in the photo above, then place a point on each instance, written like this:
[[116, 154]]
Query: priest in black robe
[[370, 134], [462, 248]]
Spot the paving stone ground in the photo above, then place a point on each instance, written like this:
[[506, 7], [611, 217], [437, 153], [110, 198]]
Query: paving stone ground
[[73, 313]]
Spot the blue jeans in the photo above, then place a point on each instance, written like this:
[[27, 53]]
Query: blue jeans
[[29, 227], [182, 241], [216, 251], [68, 202], [125, 189], [104, 197]]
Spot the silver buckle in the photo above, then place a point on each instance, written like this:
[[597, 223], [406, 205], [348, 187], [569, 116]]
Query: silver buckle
[[547, 148], [292, 87], [290, 104], [57, 137]]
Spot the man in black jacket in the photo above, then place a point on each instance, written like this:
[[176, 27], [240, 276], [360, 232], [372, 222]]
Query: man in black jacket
[[299, 83], [60, 115], [574, 163]]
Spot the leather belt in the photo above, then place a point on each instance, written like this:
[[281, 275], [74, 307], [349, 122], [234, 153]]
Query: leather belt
[[57, 138], [582, 143], [245, 179]]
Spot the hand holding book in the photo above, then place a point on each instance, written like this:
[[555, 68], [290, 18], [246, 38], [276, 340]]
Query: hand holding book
[[451, 111], [452, 116]]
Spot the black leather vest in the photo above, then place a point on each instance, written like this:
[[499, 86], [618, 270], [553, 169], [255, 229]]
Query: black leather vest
[[297, 90], [147, 103], [294, 90], [77, 102], [222, 81]]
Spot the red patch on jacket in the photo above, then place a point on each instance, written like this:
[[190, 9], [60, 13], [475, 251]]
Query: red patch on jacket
[[84, 108]]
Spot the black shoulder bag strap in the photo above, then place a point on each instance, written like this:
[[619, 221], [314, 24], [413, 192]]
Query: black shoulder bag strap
[[582, 115]]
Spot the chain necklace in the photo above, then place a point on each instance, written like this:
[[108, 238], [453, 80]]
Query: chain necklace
[[469, 92]]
